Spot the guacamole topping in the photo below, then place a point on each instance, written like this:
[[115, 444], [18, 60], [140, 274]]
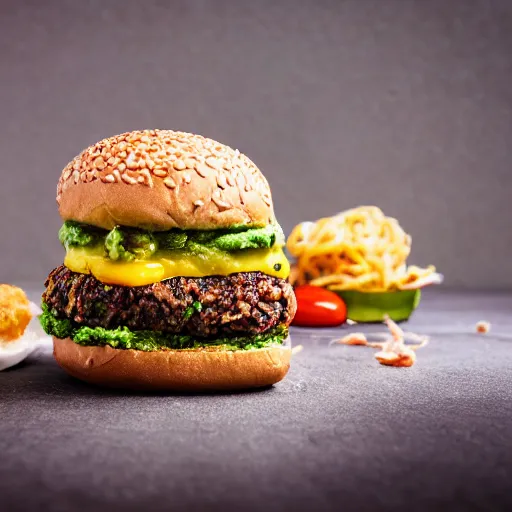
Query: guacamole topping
[[147, 341], [128, 244]]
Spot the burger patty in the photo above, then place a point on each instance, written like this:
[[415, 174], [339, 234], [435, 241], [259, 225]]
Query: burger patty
[[242, 303]]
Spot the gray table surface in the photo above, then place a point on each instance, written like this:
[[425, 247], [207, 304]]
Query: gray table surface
[[340, 432]]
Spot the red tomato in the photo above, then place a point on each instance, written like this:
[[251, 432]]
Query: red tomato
[[318, 307]]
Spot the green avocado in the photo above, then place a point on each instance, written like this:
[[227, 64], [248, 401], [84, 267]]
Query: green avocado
[[251, 239], [147, 341], [73, 234], [369, 307], [127, 244]]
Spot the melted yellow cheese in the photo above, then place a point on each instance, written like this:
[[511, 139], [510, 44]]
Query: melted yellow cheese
[[167, 264]]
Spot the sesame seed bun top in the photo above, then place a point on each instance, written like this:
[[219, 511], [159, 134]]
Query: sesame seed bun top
[[161, 179]]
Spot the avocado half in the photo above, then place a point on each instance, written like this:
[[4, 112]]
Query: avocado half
[[369, 307]]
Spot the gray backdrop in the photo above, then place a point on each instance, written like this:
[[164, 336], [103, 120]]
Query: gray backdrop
[[403, 104]]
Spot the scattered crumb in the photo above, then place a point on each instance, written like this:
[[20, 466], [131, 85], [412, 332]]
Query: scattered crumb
[[351, 322], [483, 327], [354, 338], [393, 351], [297, 349], [405, 357]]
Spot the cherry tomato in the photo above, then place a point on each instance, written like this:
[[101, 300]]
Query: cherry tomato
[[318, 307]]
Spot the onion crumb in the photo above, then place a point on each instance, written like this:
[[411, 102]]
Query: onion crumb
[[393, 351], [482, 327]]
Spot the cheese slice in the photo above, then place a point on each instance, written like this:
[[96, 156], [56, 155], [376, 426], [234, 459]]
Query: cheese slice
[[167, 264]]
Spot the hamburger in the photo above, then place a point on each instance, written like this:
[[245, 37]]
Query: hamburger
[[174, 276]]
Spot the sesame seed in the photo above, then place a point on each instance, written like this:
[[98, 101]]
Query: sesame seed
[[128, 179], [198, 202], [187, 178], [109, 178], [99, 163], [170, 183], [212, 162], [201, 169], [160, 173], [131, 163], [221, 204], [221, 181], [146, 175], [179, 165]]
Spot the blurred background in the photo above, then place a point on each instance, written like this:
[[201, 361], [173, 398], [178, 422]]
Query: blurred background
[[403, 104]]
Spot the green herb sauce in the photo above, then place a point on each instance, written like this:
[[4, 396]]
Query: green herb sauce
[[124, 338], [127, 244]]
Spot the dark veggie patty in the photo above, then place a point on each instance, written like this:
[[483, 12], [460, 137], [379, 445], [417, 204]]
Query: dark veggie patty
[[245, 303], [147, 341]]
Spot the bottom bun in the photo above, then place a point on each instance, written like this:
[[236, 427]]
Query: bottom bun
[[174, 370]]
